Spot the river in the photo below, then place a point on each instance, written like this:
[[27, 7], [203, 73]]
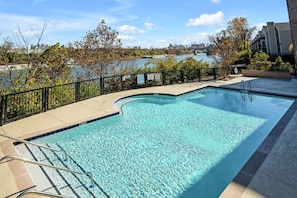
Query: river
[[201, 56], [77, 71], [148, 62]]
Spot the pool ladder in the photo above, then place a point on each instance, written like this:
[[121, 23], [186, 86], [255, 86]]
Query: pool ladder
[[246, 90]]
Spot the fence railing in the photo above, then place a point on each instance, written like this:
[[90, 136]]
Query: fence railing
[[18, 105]]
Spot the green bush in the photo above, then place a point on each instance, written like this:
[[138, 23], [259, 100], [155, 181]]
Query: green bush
[[89, 89]]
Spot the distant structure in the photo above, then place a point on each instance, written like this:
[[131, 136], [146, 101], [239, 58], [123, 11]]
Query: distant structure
[[176, 47], [198, 48], [274, 39], [292, 10]]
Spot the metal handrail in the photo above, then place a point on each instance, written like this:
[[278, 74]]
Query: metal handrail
[[39, 193], [50, 166], [247, 90], [34, 144], [242, 86], [250, 85]]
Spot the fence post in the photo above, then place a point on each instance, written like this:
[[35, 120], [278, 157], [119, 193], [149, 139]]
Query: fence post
[[182, 76], [101, 85], [163, 77], [199, 75], [145, 79], [44, 99], [214, 73], [2, 110], [77, 91], [4, 99], [122, 82]]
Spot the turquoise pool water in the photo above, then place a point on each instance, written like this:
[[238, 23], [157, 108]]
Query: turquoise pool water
[[165, 146]]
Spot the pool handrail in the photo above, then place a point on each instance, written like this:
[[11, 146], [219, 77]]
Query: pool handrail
[[89, 174], [46, 194], [242, 86], [34, 144], [244, 90]]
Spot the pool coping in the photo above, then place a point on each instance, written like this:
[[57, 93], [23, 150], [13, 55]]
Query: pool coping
[[245, 175], [250, 168]]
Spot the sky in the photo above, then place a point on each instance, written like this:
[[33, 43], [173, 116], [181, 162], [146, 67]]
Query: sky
[[143, 23]]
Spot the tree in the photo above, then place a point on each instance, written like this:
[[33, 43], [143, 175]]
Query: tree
[[260, 61], [20, 76], [5, 58], [280, 65], [51, 67], [225, 50], [38, 69], [97, 49], [5, 48], [233, 44], [240, 32]]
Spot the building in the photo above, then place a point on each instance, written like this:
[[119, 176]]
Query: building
[[292, 11], [274, 39]]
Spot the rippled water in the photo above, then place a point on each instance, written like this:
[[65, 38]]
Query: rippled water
[[163, 146]]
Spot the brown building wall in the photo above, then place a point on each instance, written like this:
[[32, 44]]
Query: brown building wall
[[292, 10]]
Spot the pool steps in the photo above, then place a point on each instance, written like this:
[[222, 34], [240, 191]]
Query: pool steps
[[63, 183], [94, 184], [46, 180], [49, 172]]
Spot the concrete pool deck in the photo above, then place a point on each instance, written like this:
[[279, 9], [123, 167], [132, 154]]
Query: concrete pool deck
[[275, 177]]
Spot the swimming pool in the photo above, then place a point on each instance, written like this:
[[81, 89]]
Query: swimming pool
[[164, 146]]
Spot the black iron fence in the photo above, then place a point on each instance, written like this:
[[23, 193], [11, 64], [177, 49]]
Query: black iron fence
[[18, 105]]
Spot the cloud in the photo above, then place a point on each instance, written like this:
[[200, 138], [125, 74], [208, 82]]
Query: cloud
[[130, 29], [149, 25], [38, 1], [207, 20], [12, 21], [202, 37], [260, 26], [31, 22], [216, 1], [126, 37], [123, 5]]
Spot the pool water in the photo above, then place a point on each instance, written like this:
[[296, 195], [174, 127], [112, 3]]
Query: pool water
[[165, 146]]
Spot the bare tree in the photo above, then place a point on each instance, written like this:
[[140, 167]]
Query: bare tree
[[20, 75], [40, 67]]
